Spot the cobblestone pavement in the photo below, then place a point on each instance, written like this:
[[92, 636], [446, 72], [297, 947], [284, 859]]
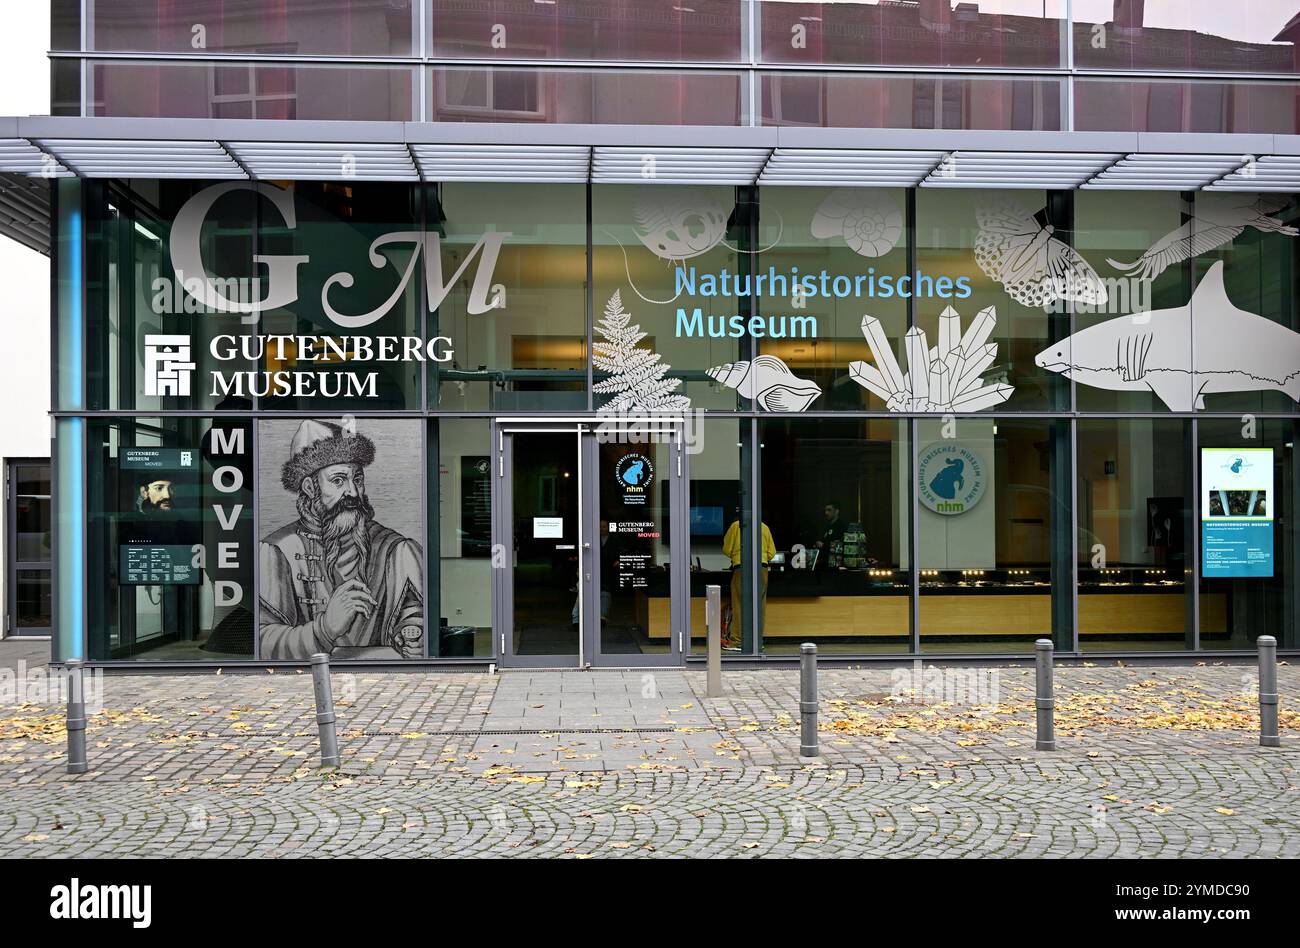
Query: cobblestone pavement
[[1153, 761]]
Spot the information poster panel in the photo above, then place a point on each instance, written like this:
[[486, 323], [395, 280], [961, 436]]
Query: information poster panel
[[158, 525], [1237, 502]]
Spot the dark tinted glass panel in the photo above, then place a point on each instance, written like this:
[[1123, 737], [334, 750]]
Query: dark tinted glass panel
[[31, 529], [32, 479], [336, 226], [169, 539], [65, 24], [211, 90], [1019, 33], [721, 530], [994, 518], [33, 601], [1179, 35], [65, 87], [1122, 105], [501, 94], [1135, 534], [835, 506], [655, 30], [878, 101], [338, 28], [140, 322]]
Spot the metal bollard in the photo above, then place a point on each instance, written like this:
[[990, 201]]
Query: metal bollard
[[808, 700], [713, 625], [76, 717], [1044, 698], [329, 742], [1268, 699]]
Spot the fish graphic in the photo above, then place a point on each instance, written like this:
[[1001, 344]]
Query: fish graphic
[[1236, 351]]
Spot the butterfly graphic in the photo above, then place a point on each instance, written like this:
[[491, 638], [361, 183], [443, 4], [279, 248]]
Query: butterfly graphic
[[1017, 249]]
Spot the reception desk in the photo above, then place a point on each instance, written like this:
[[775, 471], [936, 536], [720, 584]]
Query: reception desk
[[853, 603]]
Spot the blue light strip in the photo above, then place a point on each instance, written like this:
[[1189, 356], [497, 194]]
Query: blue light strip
[[70, 459]]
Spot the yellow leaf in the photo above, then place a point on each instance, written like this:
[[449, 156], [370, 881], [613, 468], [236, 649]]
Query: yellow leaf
[[1225, 811]]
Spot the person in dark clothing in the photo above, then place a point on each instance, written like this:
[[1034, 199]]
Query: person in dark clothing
[[832, 539]]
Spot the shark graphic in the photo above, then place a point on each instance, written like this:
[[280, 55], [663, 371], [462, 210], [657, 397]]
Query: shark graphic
[[1236, 351]]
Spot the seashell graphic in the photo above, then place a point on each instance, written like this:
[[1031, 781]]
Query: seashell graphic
[[678, 223], [769, 382], [869, 220]]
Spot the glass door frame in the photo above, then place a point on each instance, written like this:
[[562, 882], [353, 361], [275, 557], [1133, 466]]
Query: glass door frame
[[586, 434], [12, 564]]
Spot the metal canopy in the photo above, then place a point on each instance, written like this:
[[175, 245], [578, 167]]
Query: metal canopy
[[51, 146]]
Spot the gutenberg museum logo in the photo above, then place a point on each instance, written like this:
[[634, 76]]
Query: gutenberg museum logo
[[167, 365], [167, 357]]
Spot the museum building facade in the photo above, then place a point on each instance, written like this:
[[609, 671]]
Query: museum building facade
[[434, 332]]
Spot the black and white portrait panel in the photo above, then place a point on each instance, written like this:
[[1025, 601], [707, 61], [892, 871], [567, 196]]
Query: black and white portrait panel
[[341, 555]]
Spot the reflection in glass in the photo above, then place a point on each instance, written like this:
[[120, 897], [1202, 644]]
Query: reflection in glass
[[1017, 33], [545, 575], [461, 573], [993, 557], [1171, 105], [337, 224], [134, 293], [848, 100], [654, 30], [248, 90], [1135, 534], [33, 601], [528, 350], [835, 498], [153, 496], [847, 234], [340, 28], [631, 547], [1185, 35], [586, 96], [720, 522]]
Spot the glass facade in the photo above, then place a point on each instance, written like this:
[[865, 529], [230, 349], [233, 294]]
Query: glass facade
[[1098, 65], [361, 416], [894, 439]]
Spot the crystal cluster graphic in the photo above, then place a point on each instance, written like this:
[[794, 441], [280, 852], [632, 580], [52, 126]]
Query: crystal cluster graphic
[[944, 378]]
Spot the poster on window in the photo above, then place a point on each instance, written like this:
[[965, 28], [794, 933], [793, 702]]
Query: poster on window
[[159, 526], [1237, 501], [341, 553]]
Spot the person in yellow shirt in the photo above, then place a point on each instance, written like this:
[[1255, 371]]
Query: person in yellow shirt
[[731, 547]]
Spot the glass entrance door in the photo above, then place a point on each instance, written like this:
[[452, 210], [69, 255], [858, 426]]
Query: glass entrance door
[[586, 526], [543, 512]]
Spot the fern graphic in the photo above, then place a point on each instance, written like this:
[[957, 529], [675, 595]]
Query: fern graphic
[[636, 381]]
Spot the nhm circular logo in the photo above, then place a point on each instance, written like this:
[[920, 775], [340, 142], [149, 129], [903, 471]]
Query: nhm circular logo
[[634, 473], [951, 478]]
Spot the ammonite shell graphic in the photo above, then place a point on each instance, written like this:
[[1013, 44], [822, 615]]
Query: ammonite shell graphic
[[868, 219]]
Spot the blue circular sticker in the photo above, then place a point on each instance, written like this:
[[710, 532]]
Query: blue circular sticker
[[951, 478]]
